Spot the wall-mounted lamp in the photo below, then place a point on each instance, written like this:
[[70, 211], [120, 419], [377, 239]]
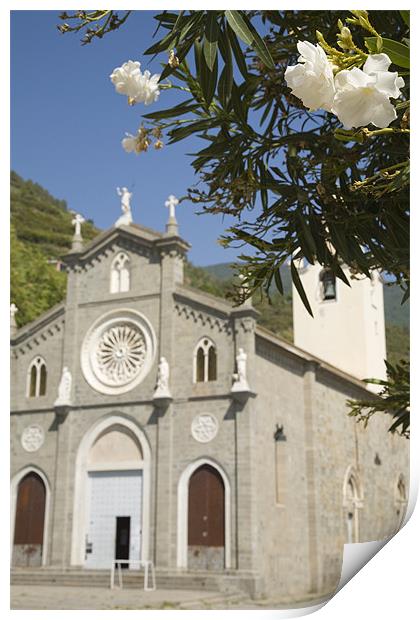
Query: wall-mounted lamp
[[279, 433]]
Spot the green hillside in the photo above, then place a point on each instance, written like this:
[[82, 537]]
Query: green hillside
[[395, 313], [41, 231]]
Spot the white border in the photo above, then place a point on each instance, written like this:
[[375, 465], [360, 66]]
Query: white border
[[182, 521], [13, 499], [81, 485]]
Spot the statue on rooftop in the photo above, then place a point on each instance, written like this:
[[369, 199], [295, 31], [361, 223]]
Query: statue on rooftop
[[126, 218]]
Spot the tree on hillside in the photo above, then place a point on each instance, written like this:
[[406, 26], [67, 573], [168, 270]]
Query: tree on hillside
[[305, 131]]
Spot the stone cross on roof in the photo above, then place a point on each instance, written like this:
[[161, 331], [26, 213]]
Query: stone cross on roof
[[172, 224], [77, 241], [170, 204]]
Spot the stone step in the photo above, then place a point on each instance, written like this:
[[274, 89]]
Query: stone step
[[224, 582]]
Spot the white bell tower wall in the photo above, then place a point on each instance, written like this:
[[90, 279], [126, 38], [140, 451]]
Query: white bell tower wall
[[347, 331]]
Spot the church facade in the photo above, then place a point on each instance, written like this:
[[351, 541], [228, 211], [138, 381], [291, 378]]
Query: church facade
[[151, 421]]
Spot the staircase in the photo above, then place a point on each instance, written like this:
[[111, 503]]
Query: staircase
[[228, 582]]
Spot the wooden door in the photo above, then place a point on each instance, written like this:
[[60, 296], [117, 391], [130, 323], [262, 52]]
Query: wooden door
[[206, 519], [29, 521]]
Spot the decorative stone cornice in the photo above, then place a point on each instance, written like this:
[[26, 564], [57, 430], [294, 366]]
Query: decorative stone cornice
[[43, 328], [204, 318]]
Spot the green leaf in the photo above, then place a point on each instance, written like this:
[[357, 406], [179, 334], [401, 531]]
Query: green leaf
[[207, 78], [239, 22], [162, 45], [237, 52], [406, 17], [186, 130], [192, 23], [211, 35], [278, 281], [238, 105], [238, 25], [224, 88], [398, 52], [299, 287], [306, 239], [226, 78], [177, 110]]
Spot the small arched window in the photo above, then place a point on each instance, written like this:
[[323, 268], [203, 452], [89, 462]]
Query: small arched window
[[328, 285], [120, 274], [352, 503], [400, 501], [37, 378], [205, 361]]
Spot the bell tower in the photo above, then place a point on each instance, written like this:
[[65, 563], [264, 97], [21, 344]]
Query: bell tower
[[348, 326]]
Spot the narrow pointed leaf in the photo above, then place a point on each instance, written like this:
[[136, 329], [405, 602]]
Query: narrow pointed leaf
[[398, 52], [211, 35], [239, 22], [237, 52], [299, 287]]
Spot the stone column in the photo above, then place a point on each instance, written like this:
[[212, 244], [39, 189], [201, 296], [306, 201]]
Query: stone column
[[172, 252], [309, 381], [61, 527], [246, 492]]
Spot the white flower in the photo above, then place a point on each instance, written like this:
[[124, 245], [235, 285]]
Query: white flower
[[129, 143], [149, 88], [312, 80], [136, 144], [137, 86], [363, 96]]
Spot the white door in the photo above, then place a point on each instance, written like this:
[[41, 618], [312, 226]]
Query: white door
[[112, 494]]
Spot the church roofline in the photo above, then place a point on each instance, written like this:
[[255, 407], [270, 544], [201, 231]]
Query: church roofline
[[28, 330], [204, 299], [290, 348], [148, 237]]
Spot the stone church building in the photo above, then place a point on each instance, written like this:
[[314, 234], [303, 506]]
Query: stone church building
[[151, 421]]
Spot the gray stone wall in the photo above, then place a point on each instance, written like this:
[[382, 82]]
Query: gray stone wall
[[287, 518], [301, 540], [282, 546], [46, 342], [341, 442]]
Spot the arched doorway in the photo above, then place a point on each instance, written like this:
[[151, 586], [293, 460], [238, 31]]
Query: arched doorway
[[28, 539], [112, 487], [206, 519]]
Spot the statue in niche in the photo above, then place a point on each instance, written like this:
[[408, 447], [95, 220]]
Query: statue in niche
[[126, 218], [64, 388], [162, 384], [240, 381]]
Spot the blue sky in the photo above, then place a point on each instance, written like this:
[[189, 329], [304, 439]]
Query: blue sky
[[68, 122]]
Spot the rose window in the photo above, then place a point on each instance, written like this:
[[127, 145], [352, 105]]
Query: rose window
[[118, 351]]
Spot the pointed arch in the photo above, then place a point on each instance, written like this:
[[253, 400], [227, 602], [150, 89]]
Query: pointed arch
[[352, 503], [400, 500], [182, 517], [205, 361], [110, 422], [120, 273], [14, 488], [36, 380]]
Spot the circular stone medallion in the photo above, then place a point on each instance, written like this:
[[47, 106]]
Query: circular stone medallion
[[204, 427], [118, 351], [32, 438]]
